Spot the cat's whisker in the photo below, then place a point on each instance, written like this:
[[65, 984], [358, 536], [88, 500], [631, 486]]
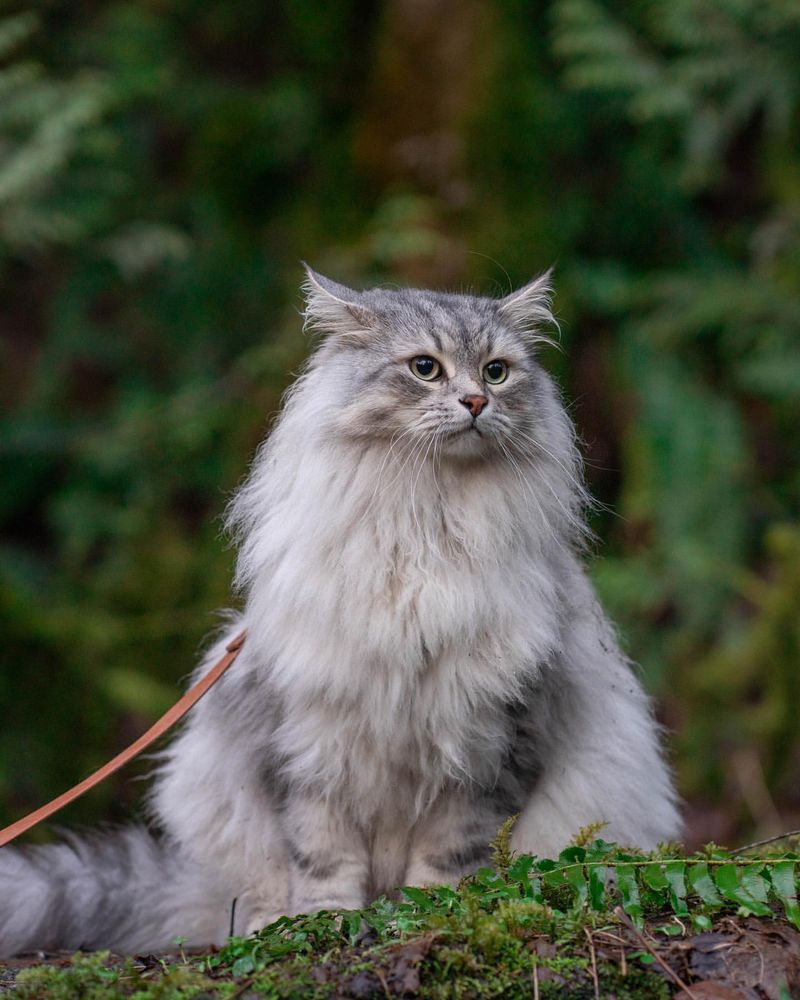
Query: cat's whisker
[[413, 433], [414, 483], [571, 474], [572, 516], [436, 459], [516, 468], [395, 439], [406, 454], [530, 493], [573, 479], [393, 442]]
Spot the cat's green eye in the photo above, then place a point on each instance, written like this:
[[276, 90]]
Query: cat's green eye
[[495, 372], [425, 367]]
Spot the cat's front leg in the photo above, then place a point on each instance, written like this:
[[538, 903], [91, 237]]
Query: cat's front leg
[[602, 763], [451, 840], [329, 859]]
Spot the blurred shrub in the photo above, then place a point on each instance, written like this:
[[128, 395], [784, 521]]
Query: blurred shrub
[[707, 339]]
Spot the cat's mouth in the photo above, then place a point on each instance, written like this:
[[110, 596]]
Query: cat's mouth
[[461, 431], [466, 440]]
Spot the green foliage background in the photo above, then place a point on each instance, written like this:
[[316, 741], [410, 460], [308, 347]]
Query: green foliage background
[[165, 164]]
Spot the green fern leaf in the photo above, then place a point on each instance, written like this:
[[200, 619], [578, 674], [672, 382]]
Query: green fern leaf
[[729, 880], [598, 877], [653, 875], [629, 890], [675, 872], [702, 885], [754, 882], [575, 877], [784, 886]]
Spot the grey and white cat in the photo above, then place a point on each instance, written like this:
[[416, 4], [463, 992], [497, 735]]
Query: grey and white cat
[[425, 654]]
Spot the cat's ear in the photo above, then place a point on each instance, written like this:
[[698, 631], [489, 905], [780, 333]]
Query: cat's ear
[[336, 311], [528, 309]]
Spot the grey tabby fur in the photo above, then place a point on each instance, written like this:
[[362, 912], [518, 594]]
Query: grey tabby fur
[[425, 653]]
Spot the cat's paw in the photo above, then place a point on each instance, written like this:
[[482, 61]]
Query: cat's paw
[[259, 918], [338, 901]]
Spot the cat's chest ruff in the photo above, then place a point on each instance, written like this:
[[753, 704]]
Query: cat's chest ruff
[[396, 638], [413, 671], [400, 737], [401, 590]]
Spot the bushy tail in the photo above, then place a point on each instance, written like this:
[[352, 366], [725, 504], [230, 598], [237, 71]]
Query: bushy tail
[[121, 889]]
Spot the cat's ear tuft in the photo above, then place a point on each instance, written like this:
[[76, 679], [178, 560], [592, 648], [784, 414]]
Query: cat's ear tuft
[[335, 310], [528, 309]]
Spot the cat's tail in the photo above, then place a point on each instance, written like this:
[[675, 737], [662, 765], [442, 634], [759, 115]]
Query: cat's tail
[[120, 889]]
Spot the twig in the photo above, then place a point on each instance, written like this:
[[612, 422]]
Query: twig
[[623, 917], [767, 840], [612, 937], [592, 952], [623, 962], [384, 984], [535, 980], [243, 988]]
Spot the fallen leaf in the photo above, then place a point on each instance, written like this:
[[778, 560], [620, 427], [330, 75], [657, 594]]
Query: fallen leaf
[[363, 985], [758, 959], [402, 976], [710, 989]]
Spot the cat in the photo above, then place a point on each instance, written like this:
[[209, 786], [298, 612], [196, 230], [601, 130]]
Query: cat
[[425, 654]]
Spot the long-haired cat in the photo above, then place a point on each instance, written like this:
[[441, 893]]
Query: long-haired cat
[[425, 654]]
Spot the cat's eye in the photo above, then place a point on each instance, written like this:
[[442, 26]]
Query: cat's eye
[[425, 367], [495, 372]]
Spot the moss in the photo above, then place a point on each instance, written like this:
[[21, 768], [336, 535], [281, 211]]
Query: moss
[[97, 977]]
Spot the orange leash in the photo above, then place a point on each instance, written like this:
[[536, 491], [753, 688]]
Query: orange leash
[[168, 719]]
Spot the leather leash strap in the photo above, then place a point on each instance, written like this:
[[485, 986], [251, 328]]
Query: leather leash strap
[[170, 717]]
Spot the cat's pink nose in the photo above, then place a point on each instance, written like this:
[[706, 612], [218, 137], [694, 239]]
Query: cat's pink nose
[[474, 403]]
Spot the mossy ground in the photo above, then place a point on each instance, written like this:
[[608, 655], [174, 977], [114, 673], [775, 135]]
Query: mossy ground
[[498, 963], [598, 922]]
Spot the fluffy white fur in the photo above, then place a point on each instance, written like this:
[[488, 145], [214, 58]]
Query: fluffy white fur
[[425, 654]]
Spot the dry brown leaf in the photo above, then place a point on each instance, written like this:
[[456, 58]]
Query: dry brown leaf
[[710, 989]]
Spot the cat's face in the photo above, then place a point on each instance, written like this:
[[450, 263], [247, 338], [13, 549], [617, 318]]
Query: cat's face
[[454, 374]]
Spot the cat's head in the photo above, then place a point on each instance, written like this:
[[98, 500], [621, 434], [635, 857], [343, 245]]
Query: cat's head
[[458, 372]]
